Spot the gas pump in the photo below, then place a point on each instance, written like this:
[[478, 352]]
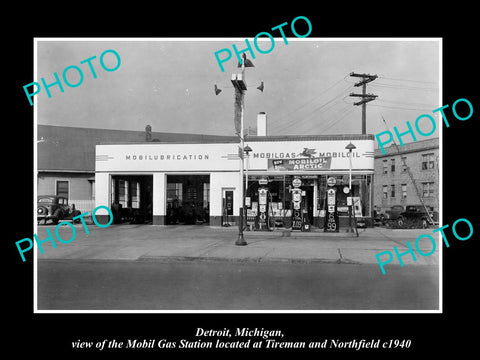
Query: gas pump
[[262, 214], [297, 217], [297, 214], [331, 218]]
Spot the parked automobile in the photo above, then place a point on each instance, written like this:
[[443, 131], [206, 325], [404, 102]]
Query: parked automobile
[[382, 218], [417, 216], [54, 208], [394, 212]]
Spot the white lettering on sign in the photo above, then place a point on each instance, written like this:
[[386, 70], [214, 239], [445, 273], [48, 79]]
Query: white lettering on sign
[[168, 157], [268, 155]]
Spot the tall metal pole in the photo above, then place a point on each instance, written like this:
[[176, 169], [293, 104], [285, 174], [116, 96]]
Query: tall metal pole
[[246, 174], [350, 192], [238, 81], [350, 172], [240, 240], [350, 147]]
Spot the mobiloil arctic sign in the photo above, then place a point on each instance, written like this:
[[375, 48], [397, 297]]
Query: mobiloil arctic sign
[[313, 163]]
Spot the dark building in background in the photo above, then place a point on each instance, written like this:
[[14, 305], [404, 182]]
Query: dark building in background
[[66, 158], [393, 184]]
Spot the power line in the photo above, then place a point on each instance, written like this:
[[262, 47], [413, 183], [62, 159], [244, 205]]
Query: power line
[[325, 104], [340, 119], [331, 122], [316, 97], [334, 118], [408, 80], [323, 92], [401, 108], [406, 103], [406, 87], [295, 123]]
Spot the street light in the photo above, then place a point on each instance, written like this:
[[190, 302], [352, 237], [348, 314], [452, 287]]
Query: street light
[[238, 81], [350, 147]]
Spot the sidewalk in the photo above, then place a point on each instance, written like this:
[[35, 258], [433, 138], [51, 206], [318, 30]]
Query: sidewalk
[[204, 243]]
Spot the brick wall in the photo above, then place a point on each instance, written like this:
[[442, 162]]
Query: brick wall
[[413, 154]]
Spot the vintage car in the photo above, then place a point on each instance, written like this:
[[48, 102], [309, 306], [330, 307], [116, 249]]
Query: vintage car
[[388, 216], [54, 208], [417, 216], [393, 213]]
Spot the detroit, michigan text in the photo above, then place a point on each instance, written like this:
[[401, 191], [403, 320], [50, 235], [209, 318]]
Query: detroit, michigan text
[[240, 332]]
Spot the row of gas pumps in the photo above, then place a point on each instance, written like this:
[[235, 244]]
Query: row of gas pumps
[[262, 216]]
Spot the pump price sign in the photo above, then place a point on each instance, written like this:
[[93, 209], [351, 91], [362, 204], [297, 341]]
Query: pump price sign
[[297, 196], [331, 219]]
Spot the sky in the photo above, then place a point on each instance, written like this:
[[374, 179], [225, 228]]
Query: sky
[[169, 84]]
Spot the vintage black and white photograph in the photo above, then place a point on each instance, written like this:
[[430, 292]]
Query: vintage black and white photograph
[[261, 174]]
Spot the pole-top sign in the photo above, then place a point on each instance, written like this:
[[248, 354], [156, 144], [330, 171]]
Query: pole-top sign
[[331, 181]]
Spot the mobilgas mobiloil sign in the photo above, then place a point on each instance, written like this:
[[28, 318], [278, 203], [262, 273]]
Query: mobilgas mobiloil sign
[[312, 155], [308, 155]]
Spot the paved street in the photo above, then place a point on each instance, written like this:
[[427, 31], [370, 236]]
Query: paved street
[[193, 285], [146, 267], [143, 242]]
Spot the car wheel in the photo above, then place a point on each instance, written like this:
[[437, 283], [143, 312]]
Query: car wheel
[[56, 216], [401, 221], [42, 210], [425, 224]]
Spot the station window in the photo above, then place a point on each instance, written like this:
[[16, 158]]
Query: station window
[[404, 191], [123, 192], [175, 191], [62, 188], [135, 188], [385, 191], [385, 167]]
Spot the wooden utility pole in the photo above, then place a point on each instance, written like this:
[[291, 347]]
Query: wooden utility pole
[[366, 78]]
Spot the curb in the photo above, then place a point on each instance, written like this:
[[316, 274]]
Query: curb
[[247, 260]]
